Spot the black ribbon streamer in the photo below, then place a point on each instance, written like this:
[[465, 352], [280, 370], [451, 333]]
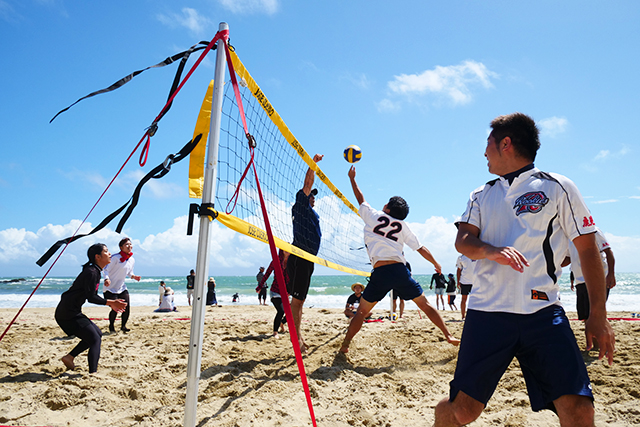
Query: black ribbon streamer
[[156, 173], [184, 56]]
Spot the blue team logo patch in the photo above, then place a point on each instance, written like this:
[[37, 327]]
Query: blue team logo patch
[[530, 202]]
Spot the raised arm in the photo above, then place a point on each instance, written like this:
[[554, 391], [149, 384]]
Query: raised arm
[[468, 243], [310, 176], [354, 185], [426, 254]]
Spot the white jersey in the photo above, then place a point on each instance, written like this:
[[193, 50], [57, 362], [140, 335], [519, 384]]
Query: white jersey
[[167, 302], [538, 214], [385, 236], [466, 266], [116, 272], [576, 268]]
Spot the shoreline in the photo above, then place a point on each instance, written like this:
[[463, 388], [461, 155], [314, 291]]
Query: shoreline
[[394, 375]]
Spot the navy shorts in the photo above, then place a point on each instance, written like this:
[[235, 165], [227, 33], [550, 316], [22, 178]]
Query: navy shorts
[[543, 343], [393, 276], [465, 289], [300, 271]]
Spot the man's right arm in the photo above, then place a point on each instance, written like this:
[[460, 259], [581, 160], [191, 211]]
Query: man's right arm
[[468, 243], [354, 185]]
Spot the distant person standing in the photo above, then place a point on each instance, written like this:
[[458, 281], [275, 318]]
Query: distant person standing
[[464, 274], [275, 292], [451, 292], [211, 292], [191, 284], [306, 236], [441, 286], [608, 263], [120, 267], [69, 310], [262, 287]]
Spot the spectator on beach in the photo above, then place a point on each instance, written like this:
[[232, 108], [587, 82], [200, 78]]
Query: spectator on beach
[[211, 292], [306, 236], [167, 304], [69, 314], [451, 292], [115, 273], [161, 288], [262, 287], [191, 284], [275, 292], [385, 234], [353, 301], [608, 263], [518, 228], [441, 286], [464, 274], [236, 297]]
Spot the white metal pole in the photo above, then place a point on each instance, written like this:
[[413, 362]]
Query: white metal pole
[[202, 262]]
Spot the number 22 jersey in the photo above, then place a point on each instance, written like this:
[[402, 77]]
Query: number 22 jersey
[[385, 236]]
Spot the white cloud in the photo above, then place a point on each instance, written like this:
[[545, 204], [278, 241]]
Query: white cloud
[[387, 105], [190, 19], [359, 80], [602, 155], [600, 202], [607, 154], [454, 83], [251, 6], [553, 126], [634, 197]]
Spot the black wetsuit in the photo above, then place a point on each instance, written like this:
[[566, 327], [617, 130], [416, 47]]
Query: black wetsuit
[[70, 318]]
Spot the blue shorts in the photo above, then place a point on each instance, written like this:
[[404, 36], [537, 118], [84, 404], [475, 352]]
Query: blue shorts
[[440, 291], [393, 276], [543, 343]]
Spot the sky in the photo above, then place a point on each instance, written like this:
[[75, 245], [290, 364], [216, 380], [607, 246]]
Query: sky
[[415, 84]]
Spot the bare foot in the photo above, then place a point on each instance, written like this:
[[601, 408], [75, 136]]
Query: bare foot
[[275, 335], [344, 349], [303, 348], [68, 362]]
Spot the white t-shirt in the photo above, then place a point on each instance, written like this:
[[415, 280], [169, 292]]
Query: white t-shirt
[[116, 272], [466, 266], [538, 214], [385, 236], [167, 302], [602, 243]]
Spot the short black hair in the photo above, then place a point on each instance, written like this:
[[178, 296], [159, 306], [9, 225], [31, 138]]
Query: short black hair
[[398, 207], [123, 241], [95, 249], [521, 129]]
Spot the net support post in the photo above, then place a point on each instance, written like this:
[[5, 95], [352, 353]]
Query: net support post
[[202, 262]]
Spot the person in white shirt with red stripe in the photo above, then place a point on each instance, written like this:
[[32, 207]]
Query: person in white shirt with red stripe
[[385, 234], [518, 228]]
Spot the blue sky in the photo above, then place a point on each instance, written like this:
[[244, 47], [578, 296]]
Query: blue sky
[[414, 84]]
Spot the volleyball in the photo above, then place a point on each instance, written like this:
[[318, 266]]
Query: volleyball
[[352, 154]]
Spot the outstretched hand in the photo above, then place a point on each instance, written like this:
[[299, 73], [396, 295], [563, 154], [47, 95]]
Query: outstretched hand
[[118, 305], [352, 172], [318, 157]]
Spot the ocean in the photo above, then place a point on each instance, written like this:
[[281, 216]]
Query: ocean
[[325, 291]]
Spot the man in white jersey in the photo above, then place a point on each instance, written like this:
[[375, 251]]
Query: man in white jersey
[[385, 234], [464, 274], [608, 263], [518, 228]]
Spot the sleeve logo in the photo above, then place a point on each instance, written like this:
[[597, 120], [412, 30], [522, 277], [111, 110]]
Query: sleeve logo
[[530, 202]]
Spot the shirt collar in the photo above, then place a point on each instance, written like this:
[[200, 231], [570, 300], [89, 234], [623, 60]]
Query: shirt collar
[[513, 175]]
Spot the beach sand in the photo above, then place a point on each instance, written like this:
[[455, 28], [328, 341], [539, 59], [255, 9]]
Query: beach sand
[[394, 374]]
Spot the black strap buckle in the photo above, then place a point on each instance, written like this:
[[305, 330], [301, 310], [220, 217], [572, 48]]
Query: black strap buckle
[[200, 210]]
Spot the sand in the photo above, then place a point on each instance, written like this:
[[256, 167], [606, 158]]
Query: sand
[[394, 375]]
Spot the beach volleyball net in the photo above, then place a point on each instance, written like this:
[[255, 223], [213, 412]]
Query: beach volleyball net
[[282, 163]]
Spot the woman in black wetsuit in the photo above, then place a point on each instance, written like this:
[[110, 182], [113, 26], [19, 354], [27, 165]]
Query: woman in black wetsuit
[[69, 311]]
